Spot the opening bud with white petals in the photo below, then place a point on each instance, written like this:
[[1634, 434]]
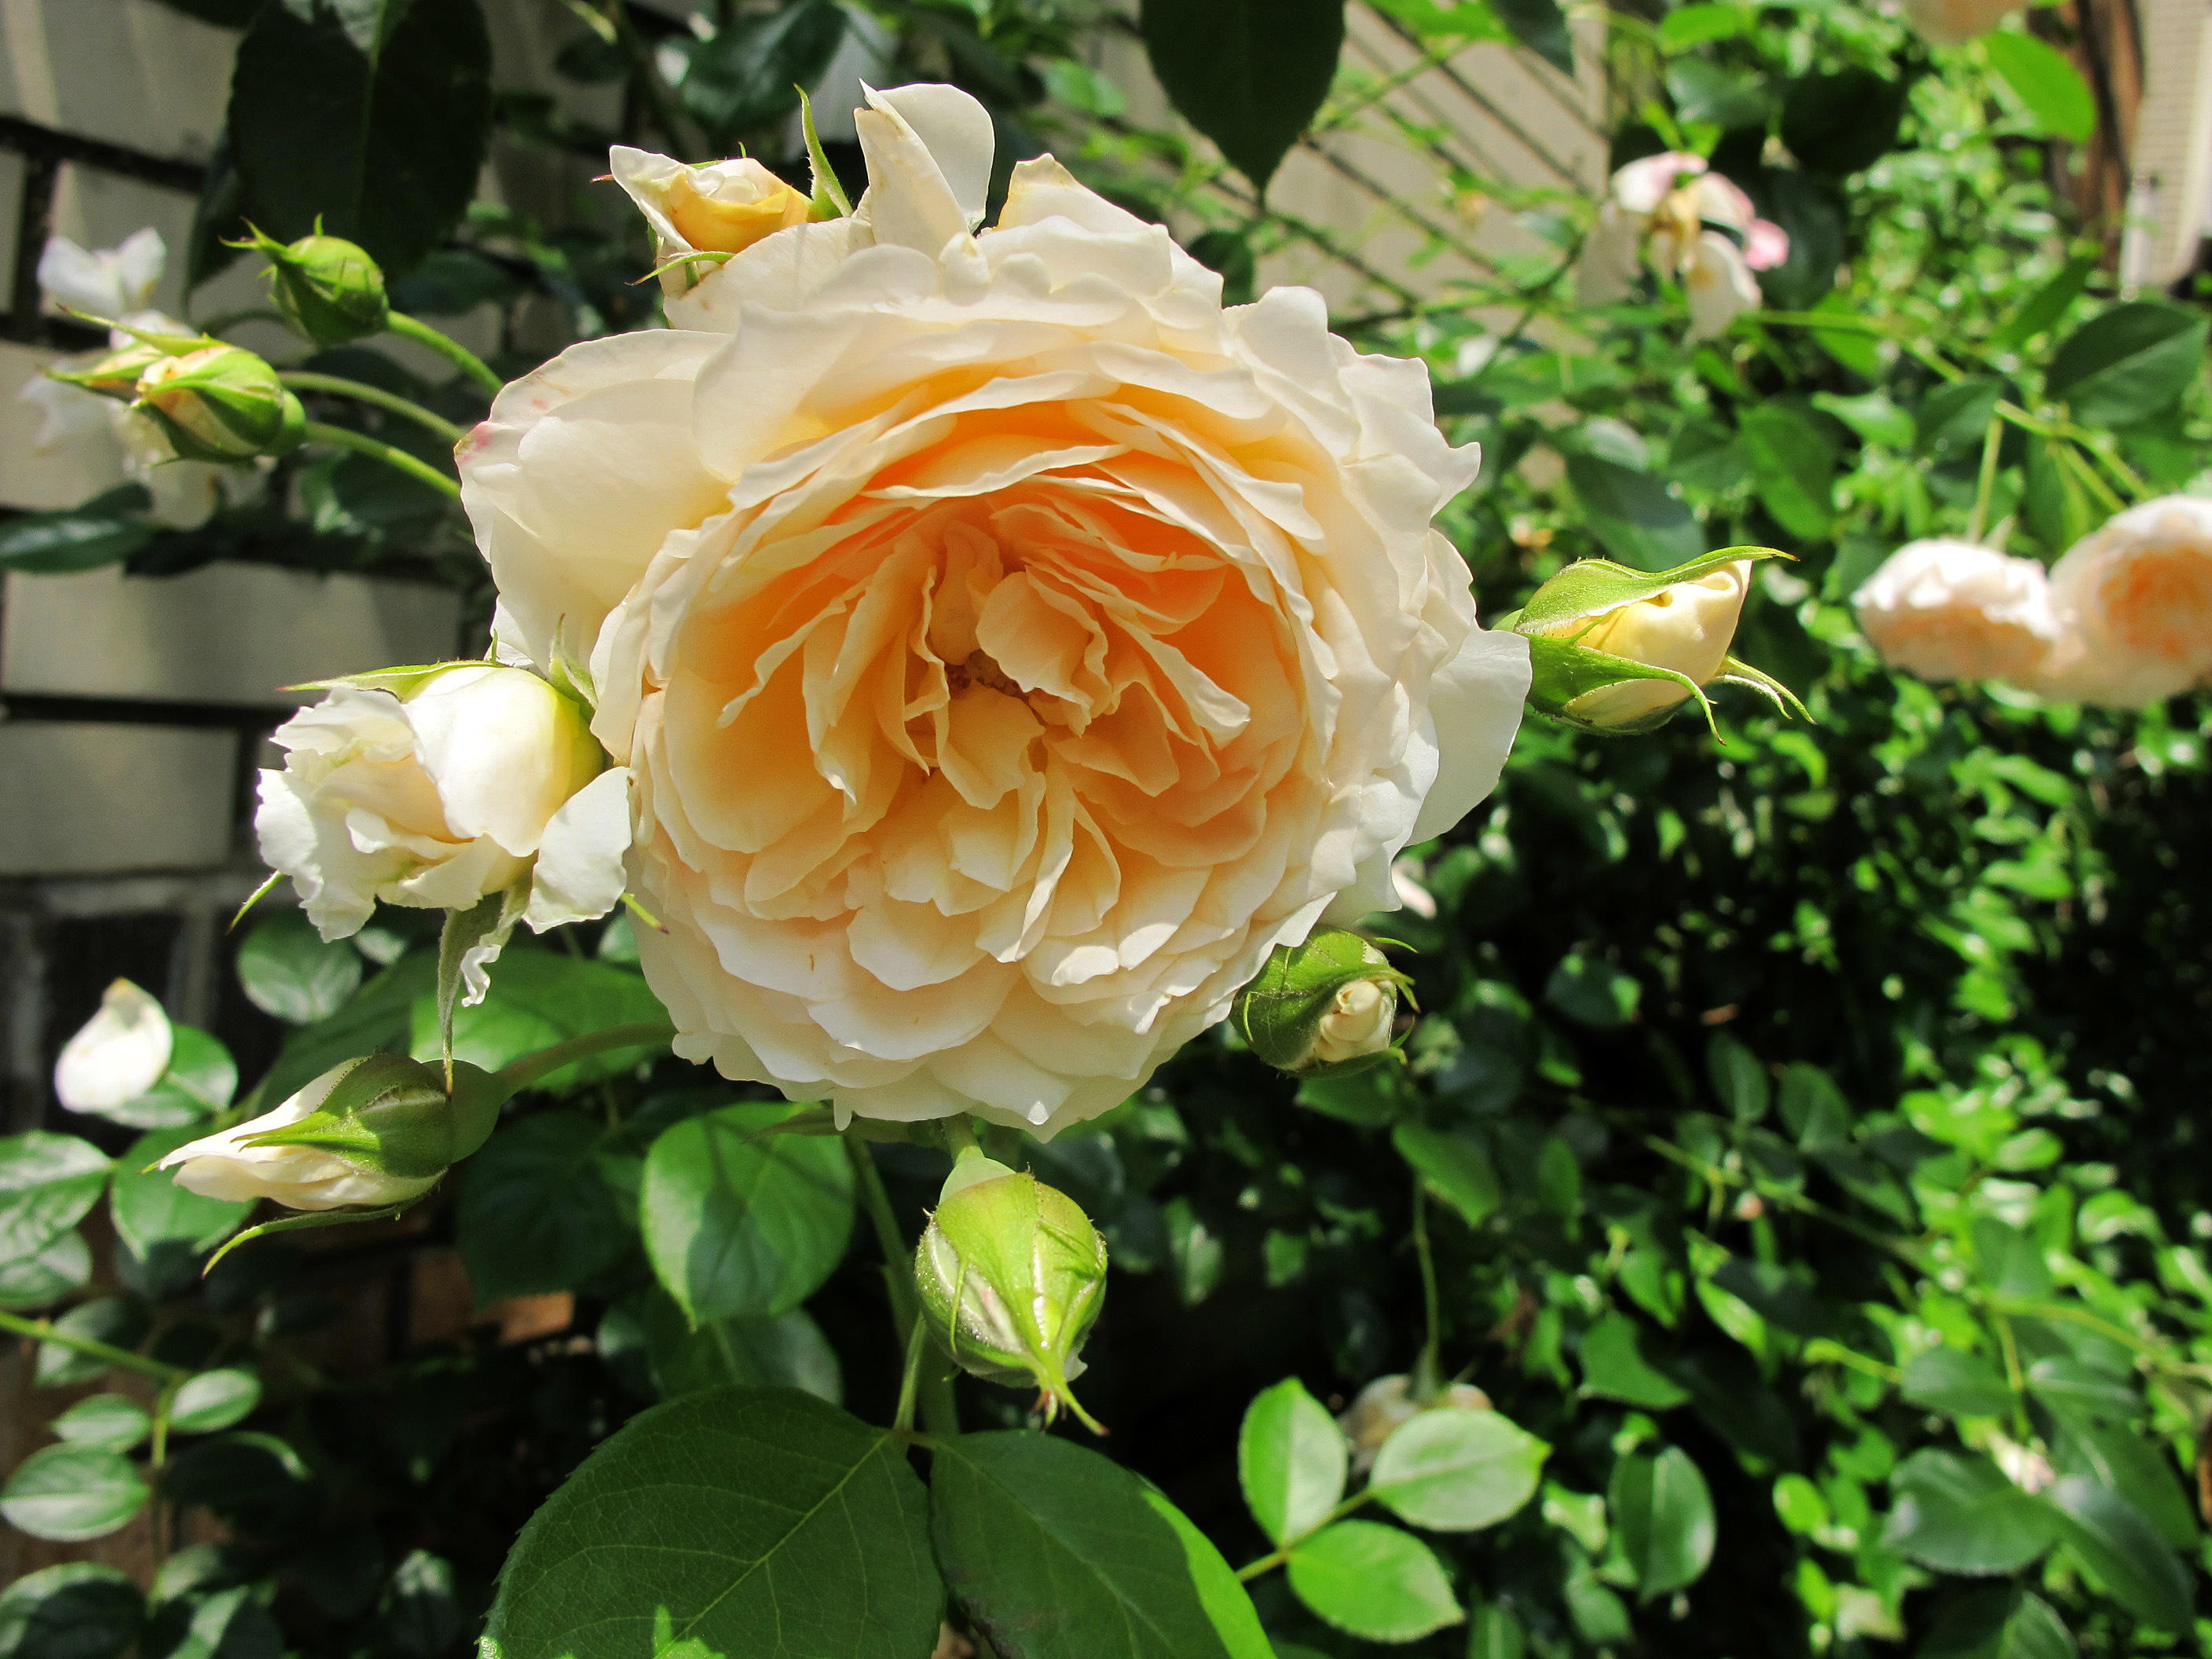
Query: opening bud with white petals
[[1013, 1275], [1325, 1008], [221, 402]]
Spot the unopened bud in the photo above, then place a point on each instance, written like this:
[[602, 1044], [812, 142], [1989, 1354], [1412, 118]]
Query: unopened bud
[[373, 1131], [1013, 1275], [221, 402], [1324, 1008], [327, 287]]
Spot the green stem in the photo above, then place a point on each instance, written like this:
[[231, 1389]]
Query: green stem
[[407, 328], [303, 380], [1428, 1368], [1992, 439], [959, 1135], [518, 1075], [42, 1330], [916, 1343], [940, 1413], [1250, 1570], [398, 460]]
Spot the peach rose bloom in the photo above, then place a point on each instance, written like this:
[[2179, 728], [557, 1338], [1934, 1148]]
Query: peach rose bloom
[[1953, 610], [2134, 600], [1010, 645]]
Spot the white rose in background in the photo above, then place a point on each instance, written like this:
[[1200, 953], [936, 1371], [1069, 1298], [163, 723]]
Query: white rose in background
[[1010, 646], [1952, 22], [1951, 610], [104, 433], [1691, 225], [2135, 607], [437, 788], [117, 1055], [1687, 627]]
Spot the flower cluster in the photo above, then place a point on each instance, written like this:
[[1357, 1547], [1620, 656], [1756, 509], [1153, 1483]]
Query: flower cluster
[[1691, 226], [2123, 619]]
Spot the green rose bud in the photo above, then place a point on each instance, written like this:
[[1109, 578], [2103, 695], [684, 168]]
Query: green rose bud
[[1013, 1275], [327, 287], [1324, 1008], [221, 402], [373, 1131]]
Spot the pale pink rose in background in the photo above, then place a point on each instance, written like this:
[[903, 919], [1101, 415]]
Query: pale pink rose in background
[[1951, 22], [2135, 605], [1690, 224], [1010, 646], [1951, 611]]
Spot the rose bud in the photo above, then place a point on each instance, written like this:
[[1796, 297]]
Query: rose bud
[[371, 1133], [435, 788], [325, 287], [1013, 1275], [1951, 610], [721, 208], [1324, 1008], [117, 373], [221, 402], [117, 1055]]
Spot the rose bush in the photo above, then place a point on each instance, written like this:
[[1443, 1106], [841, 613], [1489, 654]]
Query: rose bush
[[1010, 645]]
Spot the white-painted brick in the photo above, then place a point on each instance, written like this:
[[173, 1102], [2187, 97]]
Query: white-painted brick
[[83, 797], [132, 72], [224, 633]]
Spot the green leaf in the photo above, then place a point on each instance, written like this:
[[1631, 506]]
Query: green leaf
[[1996, 1621], [1290, 1459], [104, 531], [742, 1222], [2075, 1390], [47, 1182], [154, 1217], [1738, 1078], [1542, 27], [379, 1019], [1373, 1582], [1813, 1109], [1452, 1167], [72, 1492], [740, 1520], [2047, 304], [286, 970], [1632, 515], [255, 1482], [537, 1213], [1614, 1366], [201, 1079], [48, 1274], [1662, 1518], [2124, 1550], [78, 1610], [1248, 74], [539, 997], [110, 1421], [1872, 415], [1707, 21], [214, 1400], [1453, 1470], [1058, 1553], [1958, 1514], [786, 1353], [2128, 363], [1963, 1384], [749, 71], [1793, 467], [2059, 99], [114, 1320], [373, 115]]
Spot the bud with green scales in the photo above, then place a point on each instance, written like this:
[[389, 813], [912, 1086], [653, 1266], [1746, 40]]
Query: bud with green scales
[[327, 287], [390, 1116], [221, 402], [1013, 1275], [1325, 1008]]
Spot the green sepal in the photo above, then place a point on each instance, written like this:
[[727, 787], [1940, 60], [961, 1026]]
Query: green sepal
[[1591, 588], [491, 917], [398, 681], [827, 196], [291, 1224], [1735, 671], [1559, 671], [387, 1115]]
